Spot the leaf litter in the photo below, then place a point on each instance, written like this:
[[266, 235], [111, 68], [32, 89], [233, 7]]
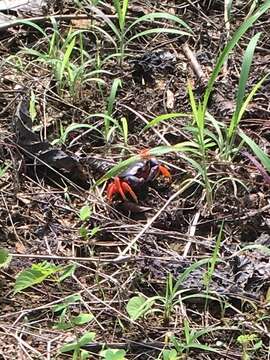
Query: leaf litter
[[45, 221]]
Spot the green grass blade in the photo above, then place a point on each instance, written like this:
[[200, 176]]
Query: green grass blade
[[121, 12], [30, 23], [163, 117], [261, 155], [110, 105], [111, 99], [157, 31], [188, 271], [106, 35], [118, 168], [71, 35], [181, 147], [198, 117], [219, 128], [228, 48], [65, 60], [73, 127], [36, 53], [124, 129], [229, 8], [193, 103], [124, 9], [250, 96], [157, 151], [247, 60], [107, 20], [160, 15]]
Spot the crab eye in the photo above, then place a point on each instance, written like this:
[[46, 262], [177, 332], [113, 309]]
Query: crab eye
[[153, 162]]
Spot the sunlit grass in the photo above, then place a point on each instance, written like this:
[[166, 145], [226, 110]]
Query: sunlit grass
[[216, 135]]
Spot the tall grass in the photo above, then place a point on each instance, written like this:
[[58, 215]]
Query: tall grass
[[205, 138], [124, 32], [70, 63]]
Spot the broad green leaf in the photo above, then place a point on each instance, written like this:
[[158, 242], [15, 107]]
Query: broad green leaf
[[85, 213], [82, 319], [63, 325], [84, 354], [113, 354], [138, 306], [83, 232], [5, 258], [67, 301], [34, 275], [87, 338], [94, 231], [66, 272], [169, 354]]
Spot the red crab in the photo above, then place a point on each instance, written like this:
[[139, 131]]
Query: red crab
[[135, 177]]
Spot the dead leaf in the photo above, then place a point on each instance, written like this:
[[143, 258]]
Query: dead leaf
[[170, 99], [20, 248], [81, 23], [24, 199]]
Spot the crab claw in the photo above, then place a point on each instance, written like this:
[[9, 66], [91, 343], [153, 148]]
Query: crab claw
[[120, 187], [164, 171], [111, 190], [128, 190]]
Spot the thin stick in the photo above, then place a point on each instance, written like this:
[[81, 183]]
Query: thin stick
[[74, 258], [153, 219], [191, 232], [194, 62]]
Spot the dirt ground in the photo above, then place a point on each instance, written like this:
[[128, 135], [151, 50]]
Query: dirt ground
[[133, 247]]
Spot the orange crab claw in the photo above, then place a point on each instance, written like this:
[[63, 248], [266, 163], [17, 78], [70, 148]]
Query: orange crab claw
[[164, 171], [128, 190], [111, 190], [121, 188]]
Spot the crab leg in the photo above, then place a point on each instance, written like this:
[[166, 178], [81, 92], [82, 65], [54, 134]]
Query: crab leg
[[164, 171], [128, 190], [111, 190], [119, 187]]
